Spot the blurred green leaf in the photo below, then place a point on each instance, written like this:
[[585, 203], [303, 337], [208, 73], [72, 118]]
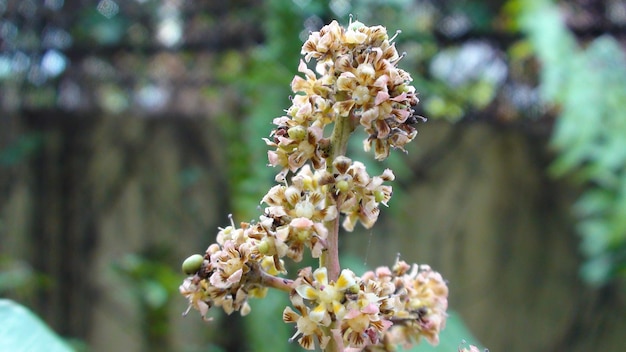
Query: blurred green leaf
[[588, 84], [155, 294], [23, 331]]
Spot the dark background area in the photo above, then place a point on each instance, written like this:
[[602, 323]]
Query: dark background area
[[129, 130]]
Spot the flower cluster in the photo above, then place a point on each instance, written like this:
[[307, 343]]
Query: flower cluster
[[421, 296], [358, 80], [355, 83], [375, 312], [299, 211], [228, 273], [358, 194], [295, 218]]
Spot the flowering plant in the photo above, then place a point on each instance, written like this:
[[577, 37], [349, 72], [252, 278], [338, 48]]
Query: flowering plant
[[356, 82]]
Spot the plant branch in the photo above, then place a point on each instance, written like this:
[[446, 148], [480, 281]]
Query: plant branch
[[276, 282], [338, 146]]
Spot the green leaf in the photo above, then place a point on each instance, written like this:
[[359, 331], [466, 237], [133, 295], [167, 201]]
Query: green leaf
[[21, 330]]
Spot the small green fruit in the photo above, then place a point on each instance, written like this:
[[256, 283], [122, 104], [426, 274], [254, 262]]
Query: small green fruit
[[192, 264], [355, 25], [297, 133], [264, 247], [343, 186]]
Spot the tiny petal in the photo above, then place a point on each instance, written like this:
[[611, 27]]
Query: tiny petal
[[298, 84], [388, 175], [245, 309], [235, 277], [346, 280], [307, 292], [290, 316], [381, 97], [343, 108], [321, 276], [346, 81], [339, 309], [307, 342], [370, 309], [301, 223], [354, 37], [342, 163], [318, 313]]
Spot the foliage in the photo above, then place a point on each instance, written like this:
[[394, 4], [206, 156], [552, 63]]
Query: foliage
[[17, 277], [21, 149], [23, 331], [153, 286], [262, 78], [588, 85]]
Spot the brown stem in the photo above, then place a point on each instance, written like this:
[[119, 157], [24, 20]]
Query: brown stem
[[338, 146], [330, 258], [332, 250], [276, 282]]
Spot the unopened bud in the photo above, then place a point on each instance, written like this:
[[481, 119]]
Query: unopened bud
[[297, 132], [192, 264], [264, 247], [342, 186], [379, 196]]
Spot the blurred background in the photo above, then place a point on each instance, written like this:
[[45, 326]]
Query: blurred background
[[130, 129]]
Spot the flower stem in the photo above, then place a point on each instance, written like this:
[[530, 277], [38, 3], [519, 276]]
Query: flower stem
[[276, 282], [344, 125], [338, 146]]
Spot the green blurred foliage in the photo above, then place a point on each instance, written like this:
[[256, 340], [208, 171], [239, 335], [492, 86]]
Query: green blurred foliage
[[588, 85], [19, 279], [25, 146], [23, 331], [262, 76], [153, 285]]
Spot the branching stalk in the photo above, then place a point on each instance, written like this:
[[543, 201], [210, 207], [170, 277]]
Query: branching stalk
[[338, 146], [276, 282]]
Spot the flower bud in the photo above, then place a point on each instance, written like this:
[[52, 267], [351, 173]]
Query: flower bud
[[297, 133], [366, 71], [342, 186], [353, 26], [379, 196], [361, 95], [304, 210], [213, 248], [264, 247], [192, 264], [245, 309]]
